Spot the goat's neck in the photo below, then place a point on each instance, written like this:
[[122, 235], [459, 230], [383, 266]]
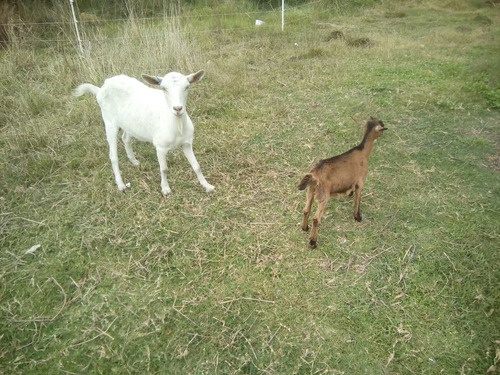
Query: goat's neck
[[366, 144], [180, 122]]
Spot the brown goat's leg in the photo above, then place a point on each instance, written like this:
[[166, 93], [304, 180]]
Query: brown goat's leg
[[307, 208], [317, 220], [357, 200]]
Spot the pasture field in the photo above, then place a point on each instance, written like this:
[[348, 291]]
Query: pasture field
[[224, 283]]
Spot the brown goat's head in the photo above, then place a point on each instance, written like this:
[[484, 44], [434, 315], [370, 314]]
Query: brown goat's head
[[376, 126], [373, 125]]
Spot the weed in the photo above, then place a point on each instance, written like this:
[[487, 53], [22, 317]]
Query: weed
[[359, 42], [335, 35], [482, 19], [395, 14], [311, 54]]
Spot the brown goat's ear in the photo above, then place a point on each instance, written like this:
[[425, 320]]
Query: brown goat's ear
[[361, 122]]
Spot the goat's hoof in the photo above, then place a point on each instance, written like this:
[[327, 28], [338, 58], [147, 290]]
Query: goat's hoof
[[358, 217], [135, 162], [209, 188], [313, 244], [122, 187], [166, 191], [306, 228]]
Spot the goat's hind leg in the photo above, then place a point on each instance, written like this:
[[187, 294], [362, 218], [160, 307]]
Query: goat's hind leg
[[307, 208], [127, 138], [111, 136]]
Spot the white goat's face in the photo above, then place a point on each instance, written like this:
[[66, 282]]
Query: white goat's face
[[175, 87]]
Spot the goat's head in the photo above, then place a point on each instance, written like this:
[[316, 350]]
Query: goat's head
[[175, 86], [373, 126]]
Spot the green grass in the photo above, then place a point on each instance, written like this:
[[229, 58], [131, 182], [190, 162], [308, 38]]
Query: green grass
[[224, 283]]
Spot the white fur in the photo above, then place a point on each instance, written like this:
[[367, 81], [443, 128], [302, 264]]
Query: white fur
[[147, 114]]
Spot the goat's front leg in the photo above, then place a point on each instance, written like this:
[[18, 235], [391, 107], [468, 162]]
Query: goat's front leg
[[187, 148], [161, 153], [357, 200], [322, 201]]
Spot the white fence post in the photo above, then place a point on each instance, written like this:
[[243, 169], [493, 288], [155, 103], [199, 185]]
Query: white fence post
[[282, 15], [76, 26]]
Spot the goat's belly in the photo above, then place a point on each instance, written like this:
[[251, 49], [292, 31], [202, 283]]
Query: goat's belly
[[342, 192], [141, 133], [142, 139], [171, 141]]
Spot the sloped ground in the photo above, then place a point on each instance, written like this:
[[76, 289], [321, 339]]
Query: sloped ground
[[202, 283]]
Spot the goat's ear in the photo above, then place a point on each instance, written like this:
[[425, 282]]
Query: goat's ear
[[195, 77], [361, 122], [152, 80]]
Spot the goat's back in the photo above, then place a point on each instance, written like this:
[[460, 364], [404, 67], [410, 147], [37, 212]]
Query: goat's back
[[123, 90], [132, 106], [340, 173]]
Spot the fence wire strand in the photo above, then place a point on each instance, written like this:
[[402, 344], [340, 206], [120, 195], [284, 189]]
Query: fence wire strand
[[22, 40], [111, 20]]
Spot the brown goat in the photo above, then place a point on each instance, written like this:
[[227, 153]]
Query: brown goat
[[339, 175]]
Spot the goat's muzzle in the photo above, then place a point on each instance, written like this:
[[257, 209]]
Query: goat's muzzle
[[177, 110]]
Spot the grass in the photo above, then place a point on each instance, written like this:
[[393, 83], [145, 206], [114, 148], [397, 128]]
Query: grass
[[224, 283]]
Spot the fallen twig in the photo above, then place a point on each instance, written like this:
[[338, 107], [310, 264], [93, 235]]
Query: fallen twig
[[246, 299]]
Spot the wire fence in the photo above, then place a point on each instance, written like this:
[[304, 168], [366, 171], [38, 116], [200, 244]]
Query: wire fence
[[109, 20], [62, 33]]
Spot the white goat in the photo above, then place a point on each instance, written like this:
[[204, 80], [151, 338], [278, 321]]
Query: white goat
[[147, 114]]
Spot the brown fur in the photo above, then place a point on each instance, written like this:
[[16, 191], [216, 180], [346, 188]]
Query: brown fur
[[337, 176]]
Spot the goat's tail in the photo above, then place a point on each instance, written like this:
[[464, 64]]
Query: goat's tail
[[85, 88], [306, 181]]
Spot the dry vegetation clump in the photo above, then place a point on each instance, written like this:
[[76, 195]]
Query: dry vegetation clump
[[349, 40], [482, 19], [360, 42], [335, 35], [7, 15], [395, 14], [138, 49]]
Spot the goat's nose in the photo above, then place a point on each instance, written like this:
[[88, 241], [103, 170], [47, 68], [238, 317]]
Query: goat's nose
[[178, 108]]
